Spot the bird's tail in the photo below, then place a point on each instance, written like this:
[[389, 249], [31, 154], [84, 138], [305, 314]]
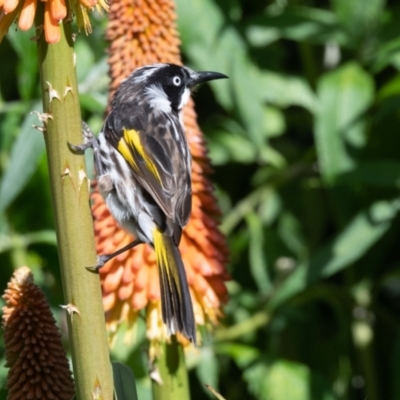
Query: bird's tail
[[177, 309]]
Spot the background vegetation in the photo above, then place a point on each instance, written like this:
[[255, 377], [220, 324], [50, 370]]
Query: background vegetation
[[305, 142]]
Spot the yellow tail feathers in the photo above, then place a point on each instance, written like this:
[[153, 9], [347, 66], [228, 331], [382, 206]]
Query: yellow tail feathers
[[176, 304]]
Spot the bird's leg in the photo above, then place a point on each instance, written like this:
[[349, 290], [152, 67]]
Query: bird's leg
[[89, 141], [105, 183], [102, 259]]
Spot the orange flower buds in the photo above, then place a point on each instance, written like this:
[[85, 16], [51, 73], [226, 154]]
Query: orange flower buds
[[54, 13]]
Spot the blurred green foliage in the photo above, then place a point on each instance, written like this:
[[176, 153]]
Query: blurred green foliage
[[304, 138]]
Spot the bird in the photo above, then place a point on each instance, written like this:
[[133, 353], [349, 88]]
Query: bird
[[143, 166]]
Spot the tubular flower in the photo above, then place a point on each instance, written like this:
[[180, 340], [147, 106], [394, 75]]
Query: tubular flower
[[55, 11], [143, 32], [34, 353]]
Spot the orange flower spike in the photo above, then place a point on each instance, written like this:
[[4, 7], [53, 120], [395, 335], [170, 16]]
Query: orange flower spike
[[153, 288], [52, 31], [124, 292], [27, 16], [89, 3], [58, 9]]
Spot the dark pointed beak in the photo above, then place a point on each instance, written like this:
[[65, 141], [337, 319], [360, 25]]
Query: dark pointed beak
[[204, 76]]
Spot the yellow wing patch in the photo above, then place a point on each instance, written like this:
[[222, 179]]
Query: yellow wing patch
[[131, 141]]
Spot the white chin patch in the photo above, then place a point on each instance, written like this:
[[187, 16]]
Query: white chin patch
[[158, 98], [185, 98]]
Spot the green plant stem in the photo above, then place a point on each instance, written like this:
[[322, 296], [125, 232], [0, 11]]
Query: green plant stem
[[249, 325], [171, 367], [363, 336], [74, 227]]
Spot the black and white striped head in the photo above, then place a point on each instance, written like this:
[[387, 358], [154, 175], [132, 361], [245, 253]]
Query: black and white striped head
[[166, 87]]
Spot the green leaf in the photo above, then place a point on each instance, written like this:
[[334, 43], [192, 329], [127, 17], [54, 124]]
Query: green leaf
[[93, 87], [303, 24], [208, 368], [242, 354], [390, 89], [344, 95], [295, 381], [84, 58], [270, 206], [287, 91], [274, 122], [349, 246], [201, 40], [289, 230], [226, 147], [10, 241], [248, 94], [256, 378], [25, 154], [361, 19], [242, 91], [124, 382], [27, 70], [288, 380], [282, 380], [258, 259], [377, 173], [387, 54]]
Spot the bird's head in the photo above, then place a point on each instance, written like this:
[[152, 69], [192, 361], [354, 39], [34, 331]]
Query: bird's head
[[166, 87]]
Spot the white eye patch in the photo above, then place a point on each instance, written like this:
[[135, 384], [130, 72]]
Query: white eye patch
[[176, 80]]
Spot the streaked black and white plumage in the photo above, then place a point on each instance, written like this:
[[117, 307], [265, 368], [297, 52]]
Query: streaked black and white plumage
[[143, 165]]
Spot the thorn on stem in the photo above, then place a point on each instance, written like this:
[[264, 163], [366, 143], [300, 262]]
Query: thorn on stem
[[53, 94]]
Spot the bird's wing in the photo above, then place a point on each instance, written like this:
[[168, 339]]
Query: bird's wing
[[152, 149]]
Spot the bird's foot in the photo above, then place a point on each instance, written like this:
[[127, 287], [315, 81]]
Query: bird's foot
[[101, 260]]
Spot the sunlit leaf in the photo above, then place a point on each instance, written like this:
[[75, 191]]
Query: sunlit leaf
[[227, 147], [242, 354], [297, 23], [270, 206], [282, 380], [208, 368], [274, 122], [361, 19], [387, 54], [256, 377], [258, 264], [25, 154], [84, 57], [286, 91], [28, 65], [344, 95]]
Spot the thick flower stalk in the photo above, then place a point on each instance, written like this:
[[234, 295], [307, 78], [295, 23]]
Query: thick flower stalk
[[143, 32], [38, 364], [55, 11]]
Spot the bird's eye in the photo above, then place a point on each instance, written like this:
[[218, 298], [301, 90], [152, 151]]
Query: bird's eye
[[176, 80]]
